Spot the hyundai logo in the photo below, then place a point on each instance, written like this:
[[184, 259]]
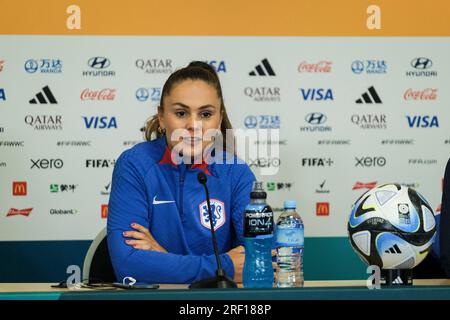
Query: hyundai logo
[[316, 118], [142, 94], [98, 63], [421, 63]]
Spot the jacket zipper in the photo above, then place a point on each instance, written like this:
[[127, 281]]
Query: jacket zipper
[[182, 175]]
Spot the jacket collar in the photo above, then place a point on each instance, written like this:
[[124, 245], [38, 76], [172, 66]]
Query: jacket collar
[[167, 159]]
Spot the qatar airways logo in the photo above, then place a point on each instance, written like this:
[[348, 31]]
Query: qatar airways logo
[[106, 94], [420, 95], [323, 66]]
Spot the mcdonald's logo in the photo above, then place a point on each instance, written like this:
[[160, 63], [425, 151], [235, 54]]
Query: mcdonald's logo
[[104, 211], [19, 188], [323, 208]]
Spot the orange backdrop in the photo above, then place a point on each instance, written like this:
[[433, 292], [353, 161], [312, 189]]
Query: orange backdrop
[[227, 17]]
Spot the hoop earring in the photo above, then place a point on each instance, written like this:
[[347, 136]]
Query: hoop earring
[[161, 130]]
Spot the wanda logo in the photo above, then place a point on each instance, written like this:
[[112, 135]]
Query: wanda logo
[[104, 94], [426, 94]]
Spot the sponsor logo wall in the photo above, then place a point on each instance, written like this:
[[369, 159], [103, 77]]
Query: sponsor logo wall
[[349, 117]]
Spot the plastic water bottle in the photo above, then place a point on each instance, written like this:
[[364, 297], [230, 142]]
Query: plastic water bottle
[[258, 240], [289, 244]]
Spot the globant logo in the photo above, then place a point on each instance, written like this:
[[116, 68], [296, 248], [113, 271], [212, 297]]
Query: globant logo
[[43, 66], [155, 66], [369, 66], [63, 211], [262, 122]]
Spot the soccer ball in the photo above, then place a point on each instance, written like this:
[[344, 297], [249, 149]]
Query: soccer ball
[[392, 226]]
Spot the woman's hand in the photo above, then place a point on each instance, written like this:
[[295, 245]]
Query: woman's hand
[[237, 255], [143, 239]]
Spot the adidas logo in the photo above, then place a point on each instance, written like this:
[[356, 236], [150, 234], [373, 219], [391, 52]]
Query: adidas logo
[[394, 249], [397, 280], [371, 96], [44, 97], [264, 69]]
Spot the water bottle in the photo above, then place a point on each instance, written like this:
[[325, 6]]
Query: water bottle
[[289, 244], [258, 240]]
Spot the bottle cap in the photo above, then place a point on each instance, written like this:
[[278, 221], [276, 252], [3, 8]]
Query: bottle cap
[[290, 204], [258, 191]]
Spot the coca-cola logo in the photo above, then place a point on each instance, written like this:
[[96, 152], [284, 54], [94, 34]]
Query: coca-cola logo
[[104, 94], [323, 66], [425, 94]]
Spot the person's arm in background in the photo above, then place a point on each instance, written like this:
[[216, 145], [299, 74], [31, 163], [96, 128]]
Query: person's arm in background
[[128, 204], [444, 227]]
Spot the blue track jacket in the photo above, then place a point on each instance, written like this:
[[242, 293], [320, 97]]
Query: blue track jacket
[[148, 189]]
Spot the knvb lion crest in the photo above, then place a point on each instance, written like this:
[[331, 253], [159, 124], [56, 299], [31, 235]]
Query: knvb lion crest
[[218, 214]]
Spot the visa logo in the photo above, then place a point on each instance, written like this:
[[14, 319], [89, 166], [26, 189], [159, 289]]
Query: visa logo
[[100, 122], [423, 121], [317, 94], [2, 94], [219, 66]]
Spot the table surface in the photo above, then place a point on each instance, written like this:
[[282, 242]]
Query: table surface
[[46, 287], [433, 289]]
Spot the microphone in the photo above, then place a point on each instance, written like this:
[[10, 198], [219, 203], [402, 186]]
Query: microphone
[[220, 280]]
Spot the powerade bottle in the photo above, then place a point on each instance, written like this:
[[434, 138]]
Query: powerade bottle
[[258, 239]]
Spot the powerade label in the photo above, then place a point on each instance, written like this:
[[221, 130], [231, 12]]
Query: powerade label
[[258, 221], [289, 236]]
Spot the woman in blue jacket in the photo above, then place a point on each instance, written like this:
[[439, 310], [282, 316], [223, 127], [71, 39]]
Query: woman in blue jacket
[[158, 226]]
